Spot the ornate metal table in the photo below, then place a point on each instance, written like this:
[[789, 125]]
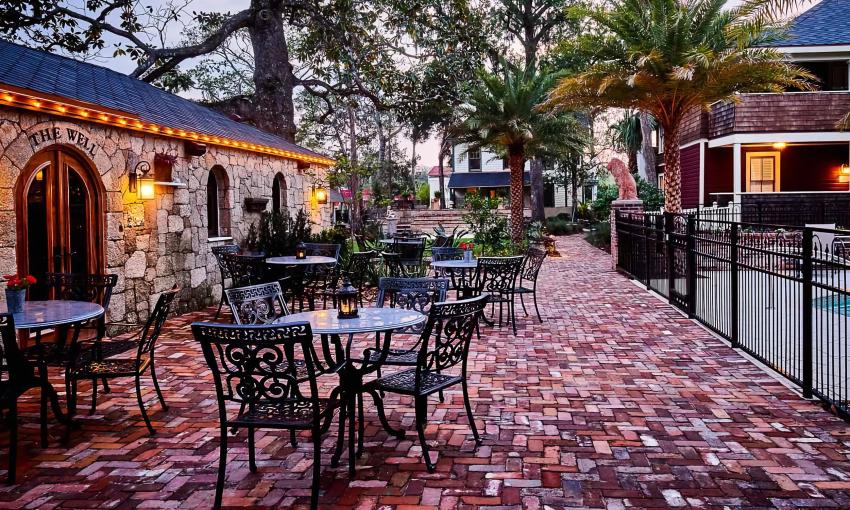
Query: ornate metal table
[[371, 320], [308, 261], [37, 316], [461, 273]]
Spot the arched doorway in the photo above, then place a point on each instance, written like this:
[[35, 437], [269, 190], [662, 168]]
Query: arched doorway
[[279, 193], [59, 210]]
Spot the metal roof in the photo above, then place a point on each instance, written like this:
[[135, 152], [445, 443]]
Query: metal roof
[[483, 179], [55, 75]]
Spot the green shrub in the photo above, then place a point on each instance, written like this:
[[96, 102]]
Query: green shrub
[[600, 235], [559, 227], [653, 198], [489, 228]]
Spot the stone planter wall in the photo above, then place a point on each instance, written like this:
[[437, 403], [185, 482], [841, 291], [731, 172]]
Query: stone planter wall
[[151, 245]]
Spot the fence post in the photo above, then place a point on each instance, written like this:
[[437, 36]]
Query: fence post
[[733, 263], [808, 358], [691, 265], [647, 233], [670, 255]]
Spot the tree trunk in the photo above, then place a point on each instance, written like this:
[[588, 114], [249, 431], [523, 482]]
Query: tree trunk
[[516, 160], [273, 80], [647, 150], [538, 212], [442, 176], [413, 168], [356, 215], [574, 191], [672, 169]]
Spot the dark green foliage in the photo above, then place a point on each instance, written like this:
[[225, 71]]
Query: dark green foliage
[[489, 228], [653, 198], [558, 226], [600, 235]]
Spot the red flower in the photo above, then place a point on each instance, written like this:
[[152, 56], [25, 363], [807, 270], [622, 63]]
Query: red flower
[[31, 279]]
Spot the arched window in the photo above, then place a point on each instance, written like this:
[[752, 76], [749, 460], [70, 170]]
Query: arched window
[[218, 206], [279, 193]]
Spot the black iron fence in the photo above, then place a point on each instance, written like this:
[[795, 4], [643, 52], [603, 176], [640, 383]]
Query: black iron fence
[[781, 293]]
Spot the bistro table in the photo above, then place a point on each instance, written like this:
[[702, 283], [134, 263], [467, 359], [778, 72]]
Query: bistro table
[[370, 320], [37, 316], [402, 241], [310, 260], [461, 274]]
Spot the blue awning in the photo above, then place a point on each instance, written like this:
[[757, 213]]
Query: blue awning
[[483, 180]]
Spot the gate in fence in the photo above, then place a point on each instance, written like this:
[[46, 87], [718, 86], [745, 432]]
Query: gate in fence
[[781, 293]]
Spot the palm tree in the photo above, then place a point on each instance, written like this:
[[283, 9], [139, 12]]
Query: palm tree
[[676, 55], [626, 137], [503, 114]]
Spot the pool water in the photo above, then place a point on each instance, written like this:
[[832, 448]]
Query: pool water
[[839, 304]]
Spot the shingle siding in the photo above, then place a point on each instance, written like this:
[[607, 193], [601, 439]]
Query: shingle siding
[[772, 113], [689, 161]]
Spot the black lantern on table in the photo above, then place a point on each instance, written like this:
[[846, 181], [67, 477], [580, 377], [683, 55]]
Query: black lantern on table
[[346, 300], [300, 251]]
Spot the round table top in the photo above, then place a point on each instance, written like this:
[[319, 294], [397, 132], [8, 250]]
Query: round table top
[[290, 260], [455, 264], [370, 320], [44, 314], [402, 241]]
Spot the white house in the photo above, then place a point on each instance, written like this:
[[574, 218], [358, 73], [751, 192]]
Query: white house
[[484, 172]]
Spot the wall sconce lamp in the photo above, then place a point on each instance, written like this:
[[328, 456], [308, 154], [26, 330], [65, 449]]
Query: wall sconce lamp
[[141, 182], [321, 195], [779, 145]]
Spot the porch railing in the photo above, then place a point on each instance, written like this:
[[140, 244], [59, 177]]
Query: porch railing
[[780, 293]]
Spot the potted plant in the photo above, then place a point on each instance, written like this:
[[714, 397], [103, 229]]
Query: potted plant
[[16, 290]]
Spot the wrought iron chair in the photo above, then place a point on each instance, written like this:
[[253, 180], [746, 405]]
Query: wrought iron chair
[[259, 386], [17, 376], [441, 363], [218, 252], [245, 270], [359, 271], [321, 278], [411, 252], [441, 241], [417, 294], [257, 304], [95, 288], [112, 368], [393, 265], [497, 276], [527, 282]]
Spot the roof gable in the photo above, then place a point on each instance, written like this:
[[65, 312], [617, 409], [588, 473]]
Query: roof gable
[[55, 75]]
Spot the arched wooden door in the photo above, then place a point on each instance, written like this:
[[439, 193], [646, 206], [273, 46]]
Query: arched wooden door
[[59, 216]]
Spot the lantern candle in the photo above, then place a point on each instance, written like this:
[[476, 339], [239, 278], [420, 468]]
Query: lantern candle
[[301, 251], [346, 299]]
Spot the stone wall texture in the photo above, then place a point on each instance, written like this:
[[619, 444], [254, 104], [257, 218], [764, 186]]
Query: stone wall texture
[[152, 245]]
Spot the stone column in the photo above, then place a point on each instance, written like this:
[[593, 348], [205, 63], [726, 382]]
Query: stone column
[[625, 206]]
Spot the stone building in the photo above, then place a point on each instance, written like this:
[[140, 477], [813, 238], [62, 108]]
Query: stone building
[[103, 173]]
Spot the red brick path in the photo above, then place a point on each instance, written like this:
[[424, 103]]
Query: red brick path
[[616, 401]]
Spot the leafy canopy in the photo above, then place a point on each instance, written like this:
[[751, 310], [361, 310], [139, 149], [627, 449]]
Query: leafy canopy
[[502, 113], [667, 57]]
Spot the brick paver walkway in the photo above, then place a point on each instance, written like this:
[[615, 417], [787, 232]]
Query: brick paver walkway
[[616, 401]]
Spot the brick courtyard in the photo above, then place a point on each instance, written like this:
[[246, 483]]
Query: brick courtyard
[[615, 401]]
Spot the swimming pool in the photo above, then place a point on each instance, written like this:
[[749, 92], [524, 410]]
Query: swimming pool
[[837, 303]]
